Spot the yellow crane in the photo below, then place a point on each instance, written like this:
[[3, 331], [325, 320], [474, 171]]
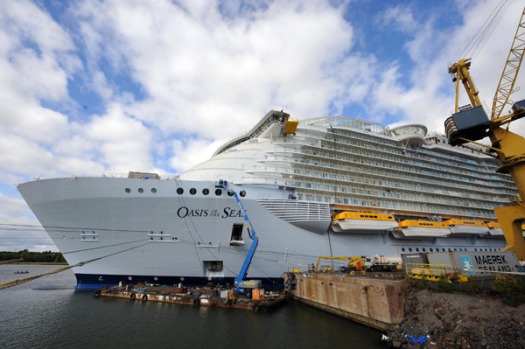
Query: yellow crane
[[468, 125]]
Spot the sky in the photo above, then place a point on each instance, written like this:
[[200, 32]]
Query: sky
[[92, 88]]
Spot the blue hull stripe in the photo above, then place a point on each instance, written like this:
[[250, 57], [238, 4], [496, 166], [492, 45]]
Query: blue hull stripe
[[90, 281]]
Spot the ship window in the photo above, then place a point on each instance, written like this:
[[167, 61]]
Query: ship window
[[127, 190], [213, 265], [417, 249], [230, 193], [402, 249], [218, 192], [153, 190], [410, 249], [236, 238], [193, 191], [180, 191], [141, 190], [242, 193], [431, 249], [205, 191]]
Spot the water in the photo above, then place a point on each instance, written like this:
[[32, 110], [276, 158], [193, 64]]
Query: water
[[50, 313]]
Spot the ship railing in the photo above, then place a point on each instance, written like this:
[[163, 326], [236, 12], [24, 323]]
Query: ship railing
[[126, 175]]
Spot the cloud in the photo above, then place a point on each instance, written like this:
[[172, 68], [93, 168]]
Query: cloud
[[200, 70], [119, 141], [401, 17], [36, 52]]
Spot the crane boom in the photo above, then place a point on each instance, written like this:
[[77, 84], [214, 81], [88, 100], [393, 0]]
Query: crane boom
[[510, 71], [472, 124], [239, 282], [460, 70]]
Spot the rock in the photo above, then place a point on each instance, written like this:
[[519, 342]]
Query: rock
[[396, 343], [461, 321]]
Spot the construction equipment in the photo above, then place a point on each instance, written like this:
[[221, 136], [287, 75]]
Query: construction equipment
[[470, 124], [241, 285], [361, 263]]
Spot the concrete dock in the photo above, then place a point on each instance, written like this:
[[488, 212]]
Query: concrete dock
[[373, 301]]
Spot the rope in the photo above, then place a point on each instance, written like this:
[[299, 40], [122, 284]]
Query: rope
[[16, 282], [478, 41]]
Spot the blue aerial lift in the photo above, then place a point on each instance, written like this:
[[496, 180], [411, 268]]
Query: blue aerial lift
[[241, 285]]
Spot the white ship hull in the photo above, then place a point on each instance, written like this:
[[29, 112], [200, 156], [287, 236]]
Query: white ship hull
[[168, 237], [294, 178]]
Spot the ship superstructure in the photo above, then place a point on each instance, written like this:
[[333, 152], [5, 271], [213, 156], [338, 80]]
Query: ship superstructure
[[363, 165]]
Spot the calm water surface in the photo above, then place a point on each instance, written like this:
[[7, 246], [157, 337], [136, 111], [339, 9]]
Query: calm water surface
[[50, 313]]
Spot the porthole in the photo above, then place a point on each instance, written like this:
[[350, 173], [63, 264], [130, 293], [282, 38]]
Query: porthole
[[242, 193], [218, 192], [141, 190], [424, 249], [180, 191], [153, 190], [127, 190], [205, 191], [410, 249], [230, 193], [417, 249], [431, 249], [402, 249], [193, 191]]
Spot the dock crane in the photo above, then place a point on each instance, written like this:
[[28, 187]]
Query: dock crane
[[240, 282], [468, 125]]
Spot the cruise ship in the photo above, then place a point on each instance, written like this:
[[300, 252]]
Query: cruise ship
[[293, 179]]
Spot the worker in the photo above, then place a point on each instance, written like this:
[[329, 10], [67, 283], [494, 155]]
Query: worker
[[358, 265]]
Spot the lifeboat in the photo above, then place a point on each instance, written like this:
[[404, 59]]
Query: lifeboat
[[494, 229], [467, 227], [356, 222], [414, 228]]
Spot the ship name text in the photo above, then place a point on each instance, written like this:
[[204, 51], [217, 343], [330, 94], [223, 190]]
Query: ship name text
[[227, 212]]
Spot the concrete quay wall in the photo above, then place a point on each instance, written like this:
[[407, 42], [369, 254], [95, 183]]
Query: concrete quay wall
[[378, 303]]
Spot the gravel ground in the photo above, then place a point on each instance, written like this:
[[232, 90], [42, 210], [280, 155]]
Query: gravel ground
[[453, 320]]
